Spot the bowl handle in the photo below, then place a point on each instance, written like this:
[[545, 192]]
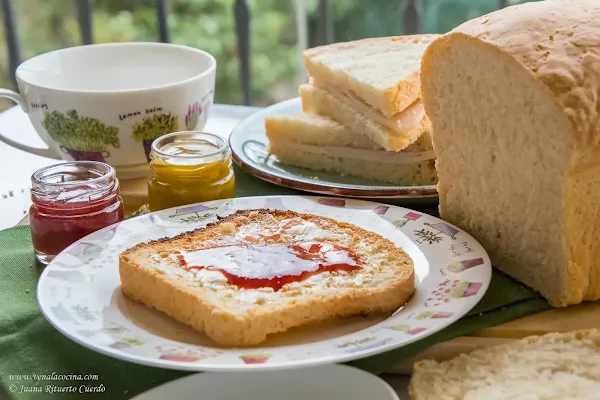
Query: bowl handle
[[17, 98]]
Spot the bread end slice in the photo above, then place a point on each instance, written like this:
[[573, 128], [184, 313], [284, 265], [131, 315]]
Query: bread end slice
[[555, 366], [237, 317]]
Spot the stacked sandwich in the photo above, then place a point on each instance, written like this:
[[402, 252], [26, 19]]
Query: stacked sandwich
[[362, 113]]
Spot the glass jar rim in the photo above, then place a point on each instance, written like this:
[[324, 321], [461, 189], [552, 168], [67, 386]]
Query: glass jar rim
[[104, 171], [219, 147]]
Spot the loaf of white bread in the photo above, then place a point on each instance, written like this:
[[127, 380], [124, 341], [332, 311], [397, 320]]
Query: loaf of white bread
[[556, 366], [514, 102]]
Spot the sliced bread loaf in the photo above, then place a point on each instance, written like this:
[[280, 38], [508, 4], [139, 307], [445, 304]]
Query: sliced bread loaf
[[557, 366], [513, 101]]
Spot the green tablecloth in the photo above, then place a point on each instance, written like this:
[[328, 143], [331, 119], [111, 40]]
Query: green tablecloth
[[29, 345]]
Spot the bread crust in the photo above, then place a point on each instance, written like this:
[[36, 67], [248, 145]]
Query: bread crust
[[212, 312]]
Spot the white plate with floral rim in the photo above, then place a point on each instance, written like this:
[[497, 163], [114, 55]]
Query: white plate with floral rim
[[79, 291]]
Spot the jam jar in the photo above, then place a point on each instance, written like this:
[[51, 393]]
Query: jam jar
[[70, 201], [189, 167]]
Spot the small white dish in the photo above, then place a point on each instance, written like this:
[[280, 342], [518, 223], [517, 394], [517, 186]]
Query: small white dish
[[318, 383]]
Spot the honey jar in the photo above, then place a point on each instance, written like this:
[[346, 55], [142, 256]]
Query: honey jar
[[189, 167]]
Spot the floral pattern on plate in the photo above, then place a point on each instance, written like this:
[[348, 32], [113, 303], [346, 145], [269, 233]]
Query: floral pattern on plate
[[79, 291]]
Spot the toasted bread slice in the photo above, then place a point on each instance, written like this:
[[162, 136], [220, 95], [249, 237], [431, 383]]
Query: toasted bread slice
[[556, 366], [321, 144], [383, 72], [319, 101], [267, 271]]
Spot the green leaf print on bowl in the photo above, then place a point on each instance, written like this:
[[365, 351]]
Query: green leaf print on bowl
[[153, 126], [83, 138]]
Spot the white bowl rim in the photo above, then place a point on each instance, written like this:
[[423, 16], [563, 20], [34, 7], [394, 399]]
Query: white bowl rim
[[208, 71]]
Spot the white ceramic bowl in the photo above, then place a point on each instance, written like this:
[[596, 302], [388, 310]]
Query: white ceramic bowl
[[107, 102]]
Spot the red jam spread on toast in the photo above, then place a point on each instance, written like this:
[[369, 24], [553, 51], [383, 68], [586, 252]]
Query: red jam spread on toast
[[255, 266]]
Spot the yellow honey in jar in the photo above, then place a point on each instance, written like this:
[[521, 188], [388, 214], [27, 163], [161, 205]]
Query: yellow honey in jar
[[189, 167]]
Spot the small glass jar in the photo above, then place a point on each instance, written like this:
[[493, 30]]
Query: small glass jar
[[70, 201], [189, 167]]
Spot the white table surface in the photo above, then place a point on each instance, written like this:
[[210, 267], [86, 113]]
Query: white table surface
[[17, 166]]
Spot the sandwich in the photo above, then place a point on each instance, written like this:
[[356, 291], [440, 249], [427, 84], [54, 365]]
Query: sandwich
[[371, 86], [259, 272], [322, 144]]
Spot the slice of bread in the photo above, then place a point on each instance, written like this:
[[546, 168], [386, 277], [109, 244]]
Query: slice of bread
[[557, 366], [318, 101], [313, 129], [321, 144], [383, 72], [513, 100], [415, 174], [318, 130], [215, 298]]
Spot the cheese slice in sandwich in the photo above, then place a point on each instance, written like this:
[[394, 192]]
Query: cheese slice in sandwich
[[322, 144], [371, 85]]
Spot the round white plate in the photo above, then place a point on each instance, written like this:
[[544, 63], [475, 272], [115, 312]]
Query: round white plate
[[317, 383], [249, 145], [79, 292]]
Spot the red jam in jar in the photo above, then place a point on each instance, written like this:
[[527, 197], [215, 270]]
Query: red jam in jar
[[70, 201]]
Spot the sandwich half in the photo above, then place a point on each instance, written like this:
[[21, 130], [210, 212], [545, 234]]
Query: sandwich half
[[372, 86], [322, 144], [394, 133]]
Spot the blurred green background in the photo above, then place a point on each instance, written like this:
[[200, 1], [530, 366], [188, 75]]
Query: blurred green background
[[45, 25]]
